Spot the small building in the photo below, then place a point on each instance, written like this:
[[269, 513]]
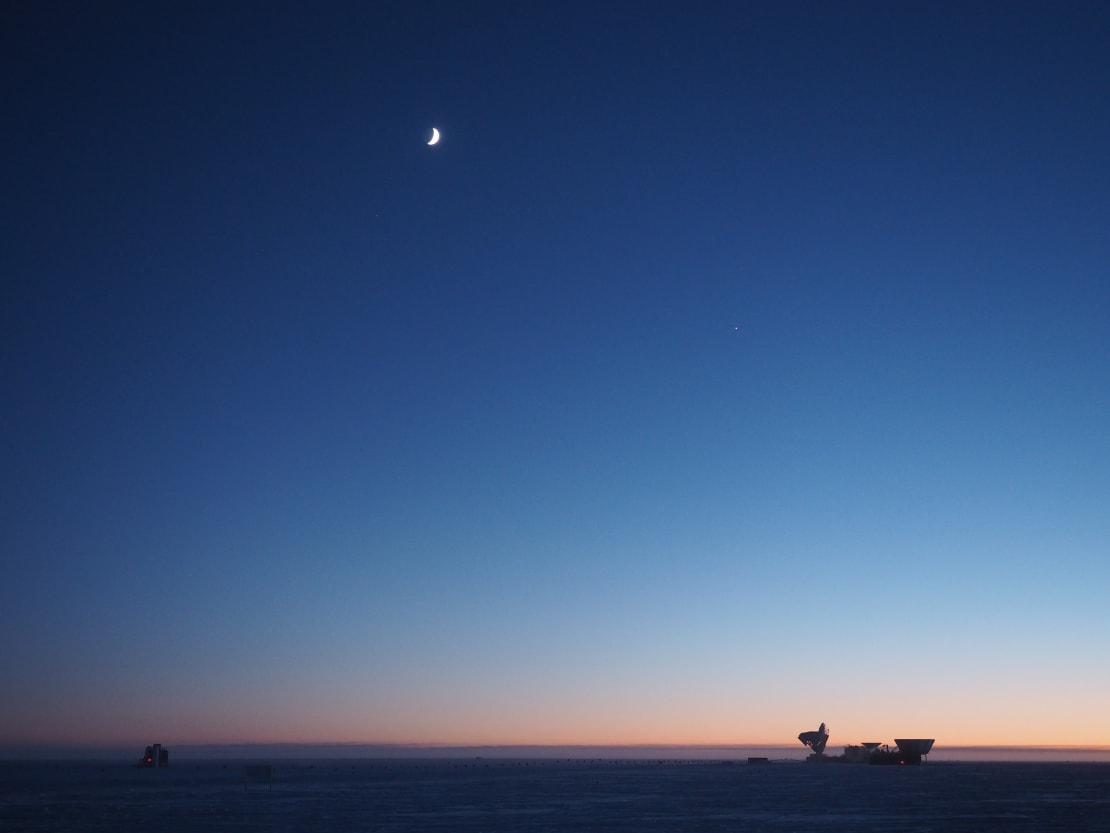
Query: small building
[[155, 756]]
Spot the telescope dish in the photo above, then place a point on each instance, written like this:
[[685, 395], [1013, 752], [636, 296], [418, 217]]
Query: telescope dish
[[915, 746]]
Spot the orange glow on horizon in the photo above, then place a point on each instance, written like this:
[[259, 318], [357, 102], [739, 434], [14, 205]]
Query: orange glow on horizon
[[182, 734], [515, 719]]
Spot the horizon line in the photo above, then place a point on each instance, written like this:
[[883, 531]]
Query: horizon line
[[448, 746]]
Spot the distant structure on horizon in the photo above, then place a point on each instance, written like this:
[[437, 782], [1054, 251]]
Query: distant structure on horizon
[[155, 756], [815, 740], [905, 751]]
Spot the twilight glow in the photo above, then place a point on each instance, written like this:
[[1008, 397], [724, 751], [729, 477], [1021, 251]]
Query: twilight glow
[[730, 370]]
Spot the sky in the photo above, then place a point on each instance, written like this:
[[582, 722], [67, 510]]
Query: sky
[[725, 369]]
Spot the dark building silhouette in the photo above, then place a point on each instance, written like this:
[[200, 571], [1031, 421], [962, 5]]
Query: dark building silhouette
[[905, 751], [155, 756]]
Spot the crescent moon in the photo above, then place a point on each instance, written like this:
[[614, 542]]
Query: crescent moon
[[435, 137]]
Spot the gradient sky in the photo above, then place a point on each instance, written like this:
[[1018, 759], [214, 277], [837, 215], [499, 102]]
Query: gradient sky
[[727, 368]]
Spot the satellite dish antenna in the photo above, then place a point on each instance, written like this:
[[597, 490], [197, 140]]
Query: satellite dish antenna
[[815, 740]]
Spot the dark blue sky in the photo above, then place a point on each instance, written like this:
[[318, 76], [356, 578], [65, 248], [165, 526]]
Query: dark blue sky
[[708, 335]]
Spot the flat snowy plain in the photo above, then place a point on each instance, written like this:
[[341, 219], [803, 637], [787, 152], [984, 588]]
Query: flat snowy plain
[[505, 796]]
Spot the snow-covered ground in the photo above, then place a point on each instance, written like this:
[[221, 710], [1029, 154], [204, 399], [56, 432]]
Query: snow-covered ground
[[506, 796]]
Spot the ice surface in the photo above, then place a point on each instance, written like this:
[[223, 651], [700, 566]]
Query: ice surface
[[503, 796]]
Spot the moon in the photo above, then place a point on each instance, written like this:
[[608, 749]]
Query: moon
[[435, 136]]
